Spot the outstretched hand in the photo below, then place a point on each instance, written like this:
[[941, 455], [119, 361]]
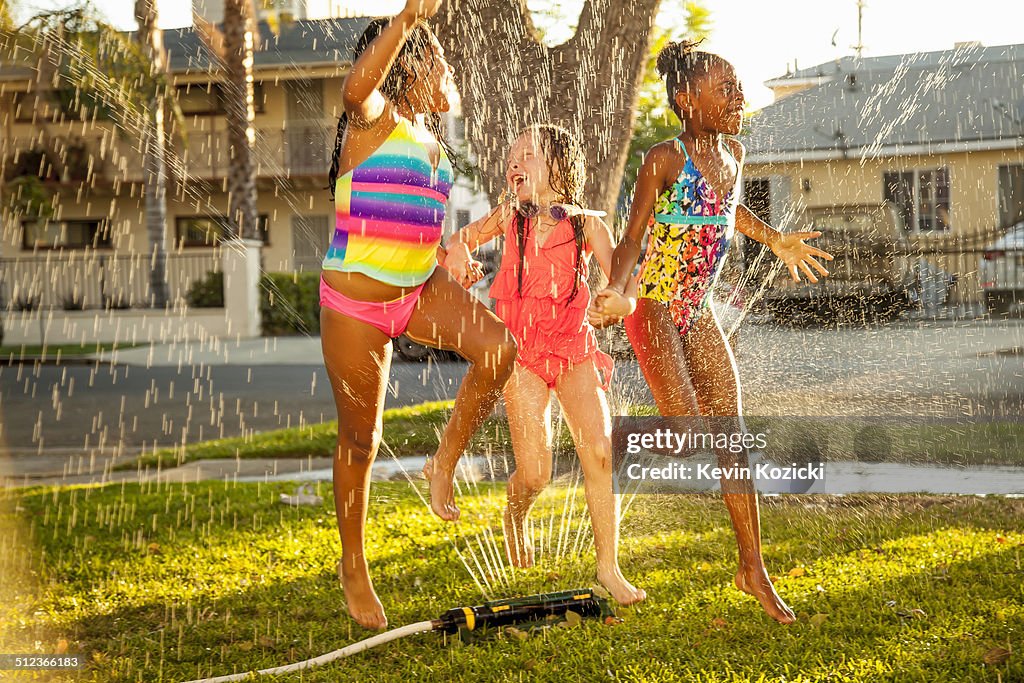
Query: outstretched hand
[[798, 256], [422, 9]]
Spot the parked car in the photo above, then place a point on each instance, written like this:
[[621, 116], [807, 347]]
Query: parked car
[[1001, 271], [874, 275], [410, 350]]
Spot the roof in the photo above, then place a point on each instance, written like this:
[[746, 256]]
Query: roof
[[971, 97], [307, 42], [303, 42]]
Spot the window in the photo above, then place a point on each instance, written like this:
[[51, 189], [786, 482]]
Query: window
[[1011, 195], [72, 234], [921, 197], [208, 231], [207, 99]]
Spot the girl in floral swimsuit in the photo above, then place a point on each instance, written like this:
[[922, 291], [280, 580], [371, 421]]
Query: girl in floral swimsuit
[[690, 185], [541, 294], [691, 230]]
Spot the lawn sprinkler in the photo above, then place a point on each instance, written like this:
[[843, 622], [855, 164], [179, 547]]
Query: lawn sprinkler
[[496, 613]]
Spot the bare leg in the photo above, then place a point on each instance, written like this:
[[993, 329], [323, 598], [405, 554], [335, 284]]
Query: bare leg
[[449, 317], [585, 408], [717, 385], [528, 402], [358, 359], [659, 350]]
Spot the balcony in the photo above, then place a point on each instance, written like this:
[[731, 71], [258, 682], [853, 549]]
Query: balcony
[[300, 150]]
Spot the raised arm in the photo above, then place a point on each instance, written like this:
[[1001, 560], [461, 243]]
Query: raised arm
[[360, 94], [648, 186]]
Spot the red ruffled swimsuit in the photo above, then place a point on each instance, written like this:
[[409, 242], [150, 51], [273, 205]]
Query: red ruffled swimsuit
[[552, 332]]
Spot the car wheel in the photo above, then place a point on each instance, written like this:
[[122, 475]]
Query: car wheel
[[410, 350]]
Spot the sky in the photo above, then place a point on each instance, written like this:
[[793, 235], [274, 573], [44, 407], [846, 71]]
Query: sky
[[761, 38]]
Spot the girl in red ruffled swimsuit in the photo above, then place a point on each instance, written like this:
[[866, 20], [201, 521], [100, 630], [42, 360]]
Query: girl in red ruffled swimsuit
[[541, 294]]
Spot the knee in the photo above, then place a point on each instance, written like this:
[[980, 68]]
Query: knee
[[499, 356], [359, 445], [597, 457], [534, 480]]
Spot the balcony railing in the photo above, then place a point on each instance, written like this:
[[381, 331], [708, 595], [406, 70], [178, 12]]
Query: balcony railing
[[92, 279], [299, 149]]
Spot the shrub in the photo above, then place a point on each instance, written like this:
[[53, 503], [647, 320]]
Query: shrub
[[207, 292], [290, 303]]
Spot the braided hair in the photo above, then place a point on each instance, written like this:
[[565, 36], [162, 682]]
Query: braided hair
[[567, 174], [680, 63], [396, 85]]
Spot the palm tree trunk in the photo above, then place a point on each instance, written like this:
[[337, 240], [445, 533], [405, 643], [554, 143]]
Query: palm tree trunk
[[239, 46], [154, 162]]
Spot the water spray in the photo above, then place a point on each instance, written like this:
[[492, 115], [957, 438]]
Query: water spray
[[496, 613]]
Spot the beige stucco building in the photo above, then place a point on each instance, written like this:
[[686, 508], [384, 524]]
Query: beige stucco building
[[95, 247], [940, 135]]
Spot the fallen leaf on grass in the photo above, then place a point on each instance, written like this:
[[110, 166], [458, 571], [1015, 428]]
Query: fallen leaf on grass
[[817, 620], [516, 633], [797, 571], [154, 549], [611, 621], [62, 647], [719, 622], [266, 641], [996, 655]]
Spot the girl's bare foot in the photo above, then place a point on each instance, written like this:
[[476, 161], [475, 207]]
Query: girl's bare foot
[[442, 492], [622, 590], [753, 579], [360, 597], [517, 545]]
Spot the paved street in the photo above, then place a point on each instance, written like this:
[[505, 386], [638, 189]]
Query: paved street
[[189, 392]]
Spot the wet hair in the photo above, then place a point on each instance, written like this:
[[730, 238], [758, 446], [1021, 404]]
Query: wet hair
[[567, 175], [680, 63], [396, 85]]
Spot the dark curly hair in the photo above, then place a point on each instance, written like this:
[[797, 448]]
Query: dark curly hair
[[567, 174], [680, 64], [397, 82]]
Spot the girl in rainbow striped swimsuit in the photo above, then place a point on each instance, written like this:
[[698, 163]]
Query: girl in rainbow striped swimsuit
[[390, 178]]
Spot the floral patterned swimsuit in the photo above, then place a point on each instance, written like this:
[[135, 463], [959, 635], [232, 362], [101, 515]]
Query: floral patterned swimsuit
[[690, 233]]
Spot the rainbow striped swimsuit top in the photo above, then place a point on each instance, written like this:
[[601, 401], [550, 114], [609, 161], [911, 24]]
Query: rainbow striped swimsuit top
[[390, 211]]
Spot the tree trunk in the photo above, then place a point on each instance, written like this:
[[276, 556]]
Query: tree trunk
[[239, 46], [508, 79], [150, 38]]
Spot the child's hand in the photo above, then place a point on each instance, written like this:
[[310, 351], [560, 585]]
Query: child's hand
[[791, 249], [421, 9], [463, 267], [613, 303], [599, 320]]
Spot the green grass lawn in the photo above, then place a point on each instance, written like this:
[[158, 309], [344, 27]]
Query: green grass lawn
[[415, 430], [174, 582], [62, 350]]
